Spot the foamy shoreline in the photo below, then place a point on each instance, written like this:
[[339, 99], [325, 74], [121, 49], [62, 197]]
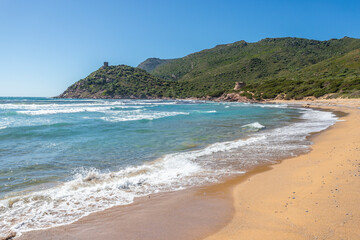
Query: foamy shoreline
[[92, 190], [100, 216]]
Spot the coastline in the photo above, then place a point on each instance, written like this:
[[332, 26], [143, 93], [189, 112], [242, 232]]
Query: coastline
[[312, 196], [198, 212]]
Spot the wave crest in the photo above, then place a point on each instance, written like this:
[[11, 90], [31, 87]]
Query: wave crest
[[254, 125]]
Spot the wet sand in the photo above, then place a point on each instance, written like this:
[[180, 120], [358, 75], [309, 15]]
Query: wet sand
[[314, 196]]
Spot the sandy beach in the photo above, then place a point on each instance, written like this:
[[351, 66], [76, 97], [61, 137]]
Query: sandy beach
[[179, 120], [312, 196]]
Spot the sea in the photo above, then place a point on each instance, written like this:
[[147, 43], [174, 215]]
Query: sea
[[62, 159]]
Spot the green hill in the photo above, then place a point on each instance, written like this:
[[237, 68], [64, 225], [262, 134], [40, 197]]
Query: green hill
[[339, 76], [290, 68], [117, 82], [213, 71], [152, 63]]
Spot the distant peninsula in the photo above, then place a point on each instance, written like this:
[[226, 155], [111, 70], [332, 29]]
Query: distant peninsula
[[273, 68]]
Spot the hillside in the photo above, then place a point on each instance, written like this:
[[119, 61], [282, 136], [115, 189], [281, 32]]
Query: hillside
[[252, 61], [117, 82], [290, 68], [339, 76], [152, 63], [217, 69]]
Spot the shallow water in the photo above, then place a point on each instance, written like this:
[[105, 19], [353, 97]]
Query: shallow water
[[63, 159]]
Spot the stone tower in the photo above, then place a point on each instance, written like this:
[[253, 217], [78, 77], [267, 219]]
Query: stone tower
[[106, 64]]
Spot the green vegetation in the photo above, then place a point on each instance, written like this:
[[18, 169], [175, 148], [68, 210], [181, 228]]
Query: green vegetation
[[152, 63], [339, 76], [118, 82], [291, 68]]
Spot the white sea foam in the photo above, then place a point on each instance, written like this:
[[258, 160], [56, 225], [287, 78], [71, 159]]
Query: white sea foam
[[93, 190], [62, 110], [34, 106], [107, 110], [273, 105], [318, 116], [200, 111], [5, 122], [54, 106], [67, 110], [131, 116], [254, 125]]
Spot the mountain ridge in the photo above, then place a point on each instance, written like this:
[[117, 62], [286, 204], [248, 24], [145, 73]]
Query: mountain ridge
[[269, 68]]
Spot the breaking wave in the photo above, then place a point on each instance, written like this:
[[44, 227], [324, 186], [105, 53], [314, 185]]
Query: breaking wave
[[93, 190], [130, 116], [254, 125]]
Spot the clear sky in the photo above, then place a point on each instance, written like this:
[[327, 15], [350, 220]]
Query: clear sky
[[47, 45]]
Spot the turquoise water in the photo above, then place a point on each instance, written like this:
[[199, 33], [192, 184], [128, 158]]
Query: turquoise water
[[63, 159]]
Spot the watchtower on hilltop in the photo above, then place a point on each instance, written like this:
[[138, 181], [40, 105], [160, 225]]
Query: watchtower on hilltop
[[106, 64]]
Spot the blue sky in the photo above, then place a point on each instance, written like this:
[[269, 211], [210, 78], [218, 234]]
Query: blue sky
[[45, 46]]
